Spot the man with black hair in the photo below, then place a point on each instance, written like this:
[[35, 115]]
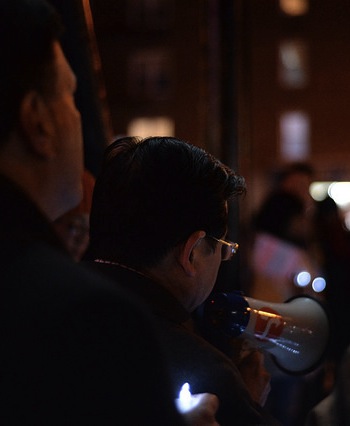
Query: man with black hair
[[158, 228], [74, 349]]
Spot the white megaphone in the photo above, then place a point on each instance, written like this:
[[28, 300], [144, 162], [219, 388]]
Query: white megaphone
[[296, 333]]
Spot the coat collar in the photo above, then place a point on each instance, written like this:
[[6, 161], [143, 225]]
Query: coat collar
[[162, 303]]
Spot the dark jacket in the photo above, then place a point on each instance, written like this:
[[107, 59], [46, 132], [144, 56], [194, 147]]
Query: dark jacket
[[73, 349], [192, 359]]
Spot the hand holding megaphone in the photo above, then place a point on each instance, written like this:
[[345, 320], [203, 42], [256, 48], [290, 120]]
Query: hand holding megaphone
[[295, 333]]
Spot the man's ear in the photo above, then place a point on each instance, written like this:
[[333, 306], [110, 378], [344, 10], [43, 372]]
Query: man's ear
[[187, 252], [37, 125]]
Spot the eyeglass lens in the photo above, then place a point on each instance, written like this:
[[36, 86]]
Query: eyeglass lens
[[226, 252]]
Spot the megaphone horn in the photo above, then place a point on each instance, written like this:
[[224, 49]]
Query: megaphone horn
[[295, 333]]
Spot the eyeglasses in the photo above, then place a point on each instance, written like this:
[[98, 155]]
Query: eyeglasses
[[228, 249]]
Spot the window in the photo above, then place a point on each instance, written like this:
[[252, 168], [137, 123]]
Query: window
[[294, 129], [151, 126], [293, 69], [294, 7]]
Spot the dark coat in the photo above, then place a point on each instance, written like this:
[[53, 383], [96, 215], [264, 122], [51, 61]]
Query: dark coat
[[73, 349], [192, 359]]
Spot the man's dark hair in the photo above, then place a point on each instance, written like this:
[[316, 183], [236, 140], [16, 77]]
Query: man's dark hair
[[28, 29], [152, 194]]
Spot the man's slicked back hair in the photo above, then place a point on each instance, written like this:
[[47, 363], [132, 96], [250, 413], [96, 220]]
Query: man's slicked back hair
[[152, 194]]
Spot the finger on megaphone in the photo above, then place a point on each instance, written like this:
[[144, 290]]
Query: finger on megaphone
[[255, 375]]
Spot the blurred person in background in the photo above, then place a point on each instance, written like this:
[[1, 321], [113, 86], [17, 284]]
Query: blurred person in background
[[333, 242], [334, 409], [281, 264], [282, 268], [296, 178]]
